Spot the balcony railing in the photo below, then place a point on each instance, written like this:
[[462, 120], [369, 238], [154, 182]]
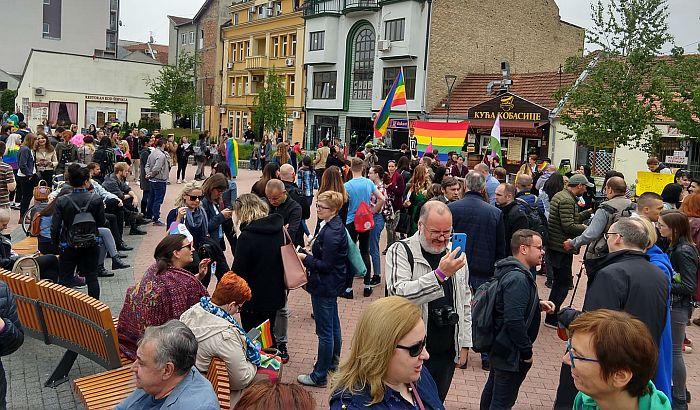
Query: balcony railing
[[359, 5], [319, 7], [256, 62]]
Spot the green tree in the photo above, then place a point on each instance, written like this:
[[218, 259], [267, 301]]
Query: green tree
[[615, 104], [7, 100], [681, 93], [271, 104], [173, 90]]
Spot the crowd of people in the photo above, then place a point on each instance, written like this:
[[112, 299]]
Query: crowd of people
[[624, 347]]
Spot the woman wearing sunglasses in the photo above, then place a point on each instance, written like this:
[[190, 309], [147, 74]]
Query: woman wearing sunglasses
[[613, 358], [164, 292], [384, 369]]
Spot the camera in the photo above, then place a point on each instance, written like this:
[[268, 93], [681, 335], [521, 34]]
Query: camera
[[445, 316]]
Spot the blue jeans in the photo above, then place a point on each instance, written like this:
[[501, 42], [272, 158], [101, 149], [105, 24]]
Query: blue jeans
[[374, 236], [329, 341], [157, 196]]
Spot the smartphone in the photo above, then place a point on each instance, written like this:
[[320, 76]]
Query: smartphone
[[459, 240], [300, 249]]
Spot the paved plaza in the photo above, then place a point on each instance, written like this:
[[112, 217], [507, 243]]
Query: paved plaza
[[30, 366]]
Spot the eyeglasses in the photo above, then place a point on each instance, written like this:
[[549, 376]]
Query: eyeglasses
[[414, 350], [572, 357], [606, 235], [196, 197], [318, 206], [440, 234], [189, 246]]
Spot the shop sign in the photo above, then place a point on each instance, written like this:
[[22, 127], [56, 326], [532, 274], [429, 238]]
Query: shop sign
[[401, 123], [106, 98], [677, 159], [509, 107]]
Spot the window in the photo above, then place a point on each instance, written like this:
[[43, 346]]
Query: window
[[316, 40], [45, 30], [149, 114], [324, 85], [247, 48], [394, 29], [47, 2], [201, 39], [191, 37], [275, 46], [294, 44], [233, 87], [3, 85], [235, 19], [113, 5], [240, 84], [284, 45], [111, 42], [241, 55], [363, 65], [291, 82], [409, 79]]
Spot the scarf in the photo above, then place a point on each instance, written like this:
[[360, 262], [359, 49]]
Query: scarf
[[197, 221], [252, 353]]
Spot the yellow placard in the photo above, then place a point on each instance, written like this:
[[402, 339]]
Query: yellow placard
[[652, 182]]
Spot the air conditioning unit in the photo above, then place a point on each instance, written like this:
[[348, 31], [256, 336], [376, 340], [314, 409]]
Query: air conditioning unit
[[289, 62], [40, 91], [229, 65], [296, 114], [384, 45]]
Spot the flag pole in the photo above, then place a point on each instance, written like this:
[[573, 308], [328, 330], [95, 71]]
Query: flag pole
[[408, 120]]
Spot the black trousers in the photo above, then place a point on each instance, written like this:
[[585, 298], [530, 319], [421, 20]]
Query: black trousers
[[181, 168], [502, 387], [561, 267], [85, 261], [112, 225], [363, 239], [441, 366], [566, 392], [26, 187], [47, 176]]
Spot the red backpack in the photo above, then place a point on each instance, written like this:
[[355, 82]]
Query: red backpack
[[364, 218]]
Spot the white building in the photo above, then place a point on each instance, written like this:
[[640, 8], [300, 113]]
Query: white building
[[69, 26], [347, 78], [84, 90]]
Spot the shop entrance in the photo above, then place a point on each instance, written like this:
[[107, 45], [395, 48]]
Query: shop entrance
[[360, 132]]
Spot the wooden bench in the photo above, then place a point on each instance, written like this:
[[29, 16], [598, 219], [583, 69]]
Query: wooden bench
[[106, 390], [68, 318], [27, 246]]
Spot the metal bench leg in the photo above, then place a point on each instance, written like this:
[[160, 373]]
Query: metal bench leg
[[60, 374]]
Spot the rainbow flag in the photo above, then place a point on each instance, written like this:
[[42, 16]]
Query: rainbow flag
[[542, 166], [10, 157], [232, 156], [442, 136], [396, 96], [265, 337]]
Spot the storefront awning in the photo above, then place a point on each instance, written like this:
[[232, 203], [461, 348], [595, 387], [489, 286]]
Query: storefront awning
[[508, 125]]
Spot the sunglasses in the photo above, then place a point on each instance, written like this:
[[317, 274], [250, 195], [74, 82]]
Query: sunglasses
[[196, 197], [414, 350], [189, 245]]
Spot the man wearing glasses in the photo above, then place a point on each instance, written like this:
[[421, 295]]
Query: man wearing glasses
[[425, 270], [626, 281], [517, 319]]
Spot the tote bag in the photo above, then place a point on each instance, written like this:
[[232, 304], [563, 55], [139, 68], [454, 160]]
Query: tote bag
[[354, 257], [294, 271]]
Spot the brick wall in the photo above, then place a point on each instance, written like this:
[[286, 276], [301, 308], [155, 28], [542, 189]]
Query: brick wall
[[209, 77], [474, 36]]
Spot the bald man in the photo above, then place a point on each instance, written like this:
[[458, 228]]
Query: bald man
[[288, 177]]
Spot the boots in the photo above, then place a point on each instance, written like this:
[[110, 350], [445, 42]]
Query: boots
[[136, 231], [104, 273], [118, 264]]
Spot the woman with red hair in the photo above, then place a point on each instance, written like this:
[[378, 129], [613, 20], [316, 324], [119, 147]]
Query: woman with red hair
[[219, 334], [691, 207]]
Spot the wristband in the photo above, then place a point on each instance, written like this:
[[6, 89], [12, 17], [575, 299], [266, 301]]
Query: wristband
[[440, 275]]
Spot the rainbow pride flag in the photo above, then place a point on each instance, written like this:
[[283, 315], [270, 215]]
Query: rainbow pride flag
[[265, 337], [442, 136], [232, 156], [396, 97], [542, 166], [10, 157]]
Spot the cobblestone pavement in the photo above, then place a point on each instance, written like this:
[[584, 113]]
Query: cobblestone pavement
[[30, 366]]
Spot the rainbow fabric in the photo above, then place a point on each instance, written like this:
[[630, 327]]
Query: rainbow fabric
[[10, 157], [265, 337], [396, 96], [442, 136], [232, 156], [542, 166]]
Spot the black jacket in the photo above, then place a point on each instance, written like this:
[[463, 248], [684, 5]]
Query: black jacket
[[6, 258], [144, 183], [516, 301], [64, 212], [513, 219], [290, 211], [327, 263], [258, 260], [684, 259], [627, 281], [12, 335], [483, 224], [116, 186]]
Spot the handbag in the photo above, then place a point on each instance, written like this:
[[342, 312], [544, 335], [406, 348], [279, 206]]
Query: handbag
[[355, 257], [403, 224], [42, 191], [294, 271]]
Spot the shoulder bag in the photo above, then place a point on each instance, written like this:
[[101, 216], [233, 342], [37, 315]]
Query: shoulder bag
[[294, 271]]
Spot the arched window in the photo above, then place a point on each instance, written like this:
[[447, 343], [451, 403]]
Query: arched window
[[363, 64]]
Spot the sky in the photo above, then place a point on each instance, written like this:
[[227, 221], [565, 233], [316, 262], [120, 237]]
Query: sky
[[141, 18]]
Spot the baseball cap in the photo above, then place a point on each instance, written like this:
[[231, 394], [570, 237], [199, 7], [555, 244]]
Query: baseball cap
[[578, 179]]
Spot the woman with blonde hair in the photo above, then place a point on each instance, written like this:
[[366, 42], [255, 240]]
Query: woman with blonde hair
[[188, 211], [384, 369]]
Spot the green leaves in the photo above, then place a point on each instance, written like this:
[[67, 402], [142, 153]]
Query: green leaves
[[271, 104], [173, 90], [680, 93]]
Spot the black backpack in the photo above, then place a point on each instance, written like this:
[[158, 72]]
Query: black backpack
[[296, 195], [536, 220], [67, 156], [82, 233], [101, 156]]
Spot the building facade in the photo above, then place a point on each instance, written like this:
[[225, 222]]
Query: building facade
[[263, 35], [109, 90], [181, 39], [89, 27]]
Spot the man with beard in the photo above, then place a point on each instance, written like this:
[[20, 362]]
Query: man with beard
[[425, 270]]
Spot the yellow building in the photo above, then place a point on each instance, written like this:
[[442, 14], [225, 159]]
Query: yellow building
[[263, 35]]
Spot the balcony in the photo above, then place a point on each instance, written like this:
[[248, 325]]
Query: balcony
[[257, 63], [315, 8], [360, 5]]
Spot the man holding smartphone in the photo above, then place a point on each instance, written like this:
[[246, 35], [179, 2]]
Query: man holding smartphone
[[426, 270]]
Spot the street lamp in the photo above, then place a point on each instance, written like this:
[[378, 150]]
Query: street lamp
[[450, 82]]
